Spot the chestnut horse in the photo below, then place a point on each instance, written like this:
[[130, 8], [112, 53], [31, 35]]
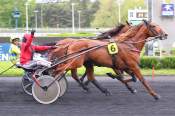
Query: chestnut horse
[[126, 58], [63, 44]]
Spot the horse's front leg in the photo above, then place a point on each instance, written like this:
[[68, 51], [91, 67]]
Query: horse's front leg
[[83, 76], [136, 71], [75, 77], [91, 78], [86, 64], [120, 77]]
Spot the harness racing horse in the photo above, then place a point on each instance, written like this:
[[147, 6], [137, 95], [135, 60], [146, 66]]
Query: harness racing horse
[[64, 44], [126, 59]]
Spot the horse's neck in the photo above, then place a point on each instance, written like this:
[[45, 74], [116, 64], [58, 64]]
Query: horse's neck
[[125, 36], [139, 40], [137, 35], [117, 35], [129, 34]]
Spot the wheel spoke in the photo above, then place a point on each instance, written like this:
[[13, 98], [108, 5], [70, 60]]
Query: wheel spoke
[[46, 96], [28, 85]]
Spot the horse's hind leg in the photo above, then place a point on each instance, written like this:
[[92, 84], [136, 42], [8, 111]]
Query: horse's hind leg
[[86, 83], [75, 77], [91, 78], [120, 77], [83, 76], [86, 64]]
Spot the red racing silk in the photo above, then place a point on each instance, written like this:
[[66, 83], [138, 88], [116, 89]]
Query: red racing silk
[[27, 49]]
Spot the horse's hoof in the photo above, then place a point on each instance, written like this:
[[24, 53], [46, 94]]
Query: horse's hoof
[[82, 80], [110, 75], [107, 93], [86, 83], [134, 91], [86, 89], [87, 92], [157, 97]]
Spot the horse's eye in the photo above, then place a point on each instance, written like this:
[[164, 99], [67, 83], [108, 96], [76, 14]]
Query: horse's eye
[[153, 26]]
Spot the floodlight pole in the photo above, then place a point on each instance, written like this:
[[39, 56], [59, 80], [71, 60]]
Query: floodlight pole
[[73, 23], [27, 24], [36, 19], [150, 11], [41, 16], [160, 47], [119, 11], [79, 20], [119, 3]]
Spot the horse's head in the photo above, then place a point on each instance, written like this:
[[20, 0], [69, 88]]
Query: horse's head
[[154, 30]]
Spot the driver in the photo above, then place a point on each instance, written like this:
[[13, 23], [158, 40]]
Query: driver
[[27, 50], [14, 49]]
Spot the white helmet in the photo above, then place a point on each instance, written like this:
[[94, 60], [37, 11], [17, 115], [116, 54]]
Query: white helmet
[[14, 37]]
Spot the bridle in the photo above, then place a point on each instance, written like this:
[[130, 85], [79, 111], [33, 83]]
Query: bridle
[[153, 32]]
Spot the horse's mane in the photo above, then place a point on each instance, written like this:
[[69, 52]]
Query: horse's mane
[[129, 34], [111, 32]]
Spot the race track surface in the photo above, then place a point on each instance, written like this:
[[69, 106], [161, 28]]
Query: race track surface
[[76, 102]]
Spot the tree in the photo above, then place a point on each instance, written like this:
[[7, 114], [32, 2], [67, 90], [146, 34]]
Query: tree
[[107, 14], [6, 9], [53, 14], [130, 4], [61, 13], [88, 9]]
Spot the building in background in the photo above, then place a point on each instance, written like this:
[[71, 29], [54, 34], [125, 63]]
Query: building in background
[[163, 14], [137, 15]]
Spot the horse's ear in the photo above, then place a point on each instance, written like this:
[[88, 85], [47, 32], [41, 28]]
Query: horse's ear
[[127, 23], [149, 21], [146, 23]]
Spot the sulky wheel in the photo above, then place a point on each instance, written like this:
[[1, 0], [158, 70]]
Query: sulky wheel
[[64, 86], [49, 95], [27, 85]]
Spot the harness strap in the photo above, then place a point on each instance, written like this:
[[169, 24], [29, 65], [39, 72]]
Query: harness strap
[[113, 60], [113, 56]]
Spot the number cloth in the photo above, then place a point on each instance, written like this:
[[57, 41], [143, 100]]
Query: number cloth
[[112, 48]]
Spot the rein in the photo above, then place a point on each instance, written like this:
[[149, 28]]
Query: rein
[[73, 55], [141, 41], [80, 51], [147, 40]]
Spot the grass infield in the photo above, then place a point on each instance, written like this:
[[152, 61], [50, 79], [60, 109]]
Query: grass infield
[[98, 70]]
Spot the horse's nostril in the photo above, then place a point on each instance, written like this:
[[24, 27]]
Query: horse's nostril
[[166, 34]]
